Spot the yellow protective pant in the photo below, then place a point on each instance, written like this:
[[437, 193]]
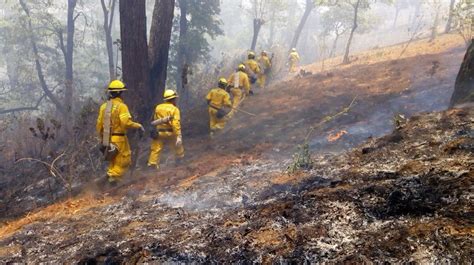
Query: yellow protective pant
[[237, 98], [214, 122], [157, 146], [120, 164], [293, 67], [262, 79]]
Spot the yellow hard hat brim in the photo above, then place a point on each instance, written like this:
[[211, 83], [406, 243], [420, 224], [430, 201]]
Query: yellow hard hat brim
[[170, 98], [116, 89]]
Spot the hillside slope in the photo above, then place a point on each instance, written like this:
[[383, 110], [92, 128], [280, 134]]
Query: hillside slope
[[232, 201]]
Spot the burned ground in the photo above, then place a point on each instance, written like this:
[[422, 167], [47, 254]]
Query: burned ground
[[403, 197]]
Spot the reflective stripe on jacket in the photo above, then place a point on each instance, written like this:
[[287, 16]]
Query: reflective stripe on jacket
[[121, 119]]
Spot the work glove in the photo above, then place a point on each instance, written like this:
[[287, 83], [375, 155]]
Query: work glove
[[179, 140], [161, 121]]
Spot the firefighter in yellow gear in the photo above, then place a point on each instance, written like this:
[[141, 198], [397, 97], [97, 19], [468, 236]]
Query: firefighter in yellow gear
[[240, 87], [252, 68], [169, 131], [266, 66], [293, 60], [113, 121], [218, 98]]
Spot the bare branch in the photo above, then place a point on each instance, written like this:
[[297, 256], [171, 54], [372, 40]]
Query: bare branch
[[19, 109], [330, 118], [39, 67], [52, 169], [78, 15], [112, 12], [60, 34]]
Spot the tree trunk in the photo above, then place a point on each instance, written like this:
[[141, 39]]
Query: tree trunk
[[416, 15], [135, 56], [108, 22], [334, 46], [309, 7], [68, 58], [257, 25], [39, 68], [160, 36], [449, 23], [397, 13], [182, 42], [434, 30], [464, 87], [354, 27], [271, 40]]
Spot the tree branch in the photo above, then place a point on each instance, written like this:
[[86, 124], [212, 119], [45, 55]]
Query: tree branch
[[77, 15], [112, 12], [60, 34], [35, 107], [330, 118], [39, 68]]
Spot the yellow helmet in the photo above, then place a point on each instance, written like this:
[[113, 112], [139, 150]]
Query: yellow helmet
[[222, 83], [293, 49], [251, 55], [169, 94], [241, 67], [116, 86]]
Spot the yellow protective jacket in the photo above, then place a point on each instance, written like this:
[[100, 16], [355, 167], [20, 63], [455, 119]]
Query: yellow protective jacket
[[244, 82], [121, 119], [164, 110], [265, 62], [218, 98], [252, 66], [294, 57]]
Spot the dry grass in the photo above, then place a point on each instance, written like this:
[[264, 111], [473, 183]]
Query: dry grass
[[416, 48], [66, 209]]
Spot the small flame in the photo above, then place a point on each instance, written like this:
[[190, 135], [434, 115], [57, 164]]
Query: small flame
[[336, 136]]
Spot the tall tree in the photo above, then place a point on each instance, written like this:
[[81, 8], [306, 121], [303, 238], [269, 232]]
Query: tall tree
[[198, 22], [416, 17], [464, 87], [109, 11], [63, 104], [68, 52], [463, 15], [182, 57], [436, 7], [449, 23], [399, 5], [310, 5], [336, 21], [358, 7], [60, 106], [258, 10], [135, 55], [355, 23], [160, 36]]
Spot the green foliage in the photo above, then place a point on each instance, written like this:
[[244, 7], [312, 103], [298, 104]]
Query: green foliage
[[463, 14], [203, 24], [48, 23], [301, 159], [339, 19], [336, 20]]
